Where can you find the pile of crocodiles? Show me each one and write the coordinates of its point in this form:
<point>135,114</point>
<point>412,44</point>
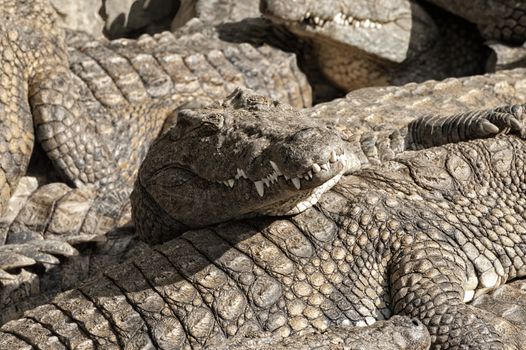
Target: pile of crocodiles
<point>181,191</point>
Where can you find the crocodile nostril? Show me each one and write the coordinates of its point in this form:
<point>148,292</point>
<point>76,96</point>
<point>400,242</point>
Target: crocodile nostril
<point>416,322</point>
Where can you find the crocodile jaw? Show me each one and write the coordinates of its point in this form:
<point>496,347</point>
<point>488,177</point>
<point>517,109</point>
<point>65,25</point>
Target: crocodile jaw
<point>383,30</point>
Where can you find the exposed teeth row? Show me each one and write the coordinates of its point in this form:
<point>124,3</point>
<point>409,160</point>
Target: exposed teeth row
<point>342,19</point>
<point>315,196</point>
<point>296,181</point>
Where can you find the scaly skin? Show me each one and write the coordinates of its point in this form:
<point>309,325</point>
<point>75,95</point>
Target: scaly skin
<point>356,117</point>
<point>388,23</point>
<point>397,333</point>
<point>259,168</point>
<point>44,253</point>
<point>96,106</point>
<point>416,236</point>
<point>96,113</point>
<point>375,43</point>
<point>503,20</point>
<point>23,62</point>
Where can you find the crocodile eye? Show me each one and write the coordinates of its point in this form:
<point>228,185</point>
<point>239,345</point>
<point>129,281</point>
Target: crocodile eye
<point>192,123</point>
<point>213,121</point>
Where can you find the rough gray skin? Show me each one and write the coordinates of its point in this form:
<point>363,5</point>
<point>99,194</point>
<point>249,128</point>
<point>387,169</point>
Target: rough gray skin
<point>370,43</point>
<point>507,301</point>
<point>255,142</point>
<point>502,20</point>
<point>388,23</point>
<point>259,168</point>
<point>360,108</point>
<point>43,252</point>
<point>396,333</point>
<point>416,236</point>
<point>95,115</point>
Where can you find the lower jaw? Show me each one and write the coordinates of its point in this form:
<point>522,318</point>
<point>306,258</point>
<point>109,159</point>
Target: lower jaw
<point>295,205</point>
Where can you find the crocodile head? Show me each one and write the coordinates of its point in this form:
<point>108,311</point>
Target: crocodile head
<point>380,27</point>
<point>249,157</point>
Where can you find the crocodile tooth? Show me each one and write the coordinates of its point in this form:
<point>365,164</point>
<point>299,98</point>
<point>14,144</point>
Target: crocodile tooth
<point>326,167</point>
<point>296,182</point>
<point>333,157</point>
<point>231,182</point>
<point>275,167</point>
<point>310,174</point>
<point>366,23</point>
<point>241,173</point>
<point>260,188</point>
<point>225,182</point>
<point>339,18</point>
<point>286,177</point>
<point>316,168</point>
<point>266,182</point>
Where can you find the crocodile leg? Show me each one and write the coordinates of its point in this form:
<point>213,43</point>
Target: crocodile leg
<point>430,131</point>
<point>428,284</point>
<point>295,163</point>
<point>22,58</point>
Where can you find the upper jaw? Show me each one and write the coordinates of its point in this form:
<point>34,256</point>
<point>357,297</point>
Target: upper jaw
<point>315,175</point>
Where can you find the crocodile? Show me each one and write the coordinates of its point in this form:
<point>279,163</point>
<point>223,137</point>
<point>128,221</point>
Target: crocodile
<point>371,212</point>
<point>263,170</point>
<point>366,110</point>
<point>358,109</point>
<point>372,209</point>
<point>371,43</point>
<point>418,235</point>
<point>501,20</point>
<point>506,300</point>
<point>397,333</point>
<point>89,100</point>
<point>111,99</point>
